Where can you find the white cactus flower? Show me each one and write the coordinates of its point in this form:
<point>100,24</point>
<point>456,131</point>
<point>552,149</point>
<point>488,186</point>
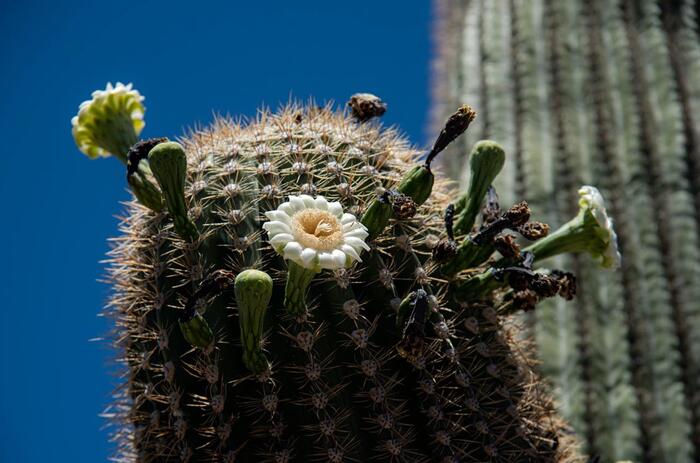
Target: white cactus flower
<point>110,122</point>
<point>316,234</point>
<point>592,201</point>
<point>590,231</point>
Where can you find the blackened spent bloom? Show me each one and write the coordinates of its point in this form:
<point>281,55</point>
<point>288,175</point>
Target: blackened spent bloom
<point>365,106</point>
<point>455,126</point>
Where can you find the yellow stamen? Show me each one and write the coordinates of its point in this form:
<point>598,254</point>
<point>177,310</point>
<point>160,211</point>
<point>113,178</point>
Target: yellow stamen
<point>317,229</point>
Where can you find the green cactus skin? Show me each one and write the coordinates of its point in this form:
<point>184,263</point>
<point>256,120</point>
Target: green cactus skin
<point>601,92</point>
<point>335,380</point>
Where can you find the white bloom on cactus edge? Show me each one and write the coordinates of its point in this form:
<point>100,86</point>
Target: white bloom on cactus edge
<point>112,119</point>
<point>316,234</point>
<point>592,201</point>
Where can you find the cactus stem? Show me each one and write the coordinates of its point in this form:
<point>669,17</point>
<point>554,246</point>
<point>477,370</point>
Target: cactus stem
<point>298,280</point>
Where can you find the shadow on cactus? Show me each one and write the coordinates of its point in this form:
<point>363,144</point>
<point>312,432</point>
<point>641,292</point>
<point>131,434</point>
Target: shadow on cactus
<point>300,288</point>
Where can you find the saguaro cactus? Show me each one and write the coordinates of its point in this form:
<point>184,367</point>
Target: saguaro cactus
<point>290,290</point>
<point>604,92</point>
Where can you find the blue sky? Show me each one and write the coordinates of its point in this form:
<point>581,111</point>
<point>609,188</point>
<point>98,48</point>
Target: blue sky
<point>59,208</point>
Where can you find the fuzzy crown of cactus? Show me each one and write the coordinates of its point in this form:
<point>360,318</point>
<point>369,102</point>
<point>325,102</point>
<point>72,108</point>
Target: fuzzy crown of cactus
<point>301,288</point>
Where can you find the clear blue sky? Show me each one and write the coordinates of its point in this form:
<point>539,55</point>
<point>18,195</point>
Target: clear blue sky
<point>190,60</point>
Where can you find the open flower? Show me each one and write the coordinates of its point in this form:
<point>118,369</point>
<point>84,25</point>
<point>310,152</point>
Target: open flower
<point>110,122</point>
<point>592,201</point>
<point>590,231</point>
<point>315,233</point>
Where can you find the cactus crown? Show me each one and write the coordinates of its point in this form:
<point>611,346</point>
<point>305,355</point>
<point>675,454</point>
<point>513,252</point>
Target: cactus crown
<point>293,289</point>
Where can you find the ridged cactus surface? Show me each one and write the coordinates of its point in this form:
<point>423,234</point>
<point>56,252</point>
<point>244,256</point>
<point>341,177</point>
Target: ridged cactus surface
<point>336,388</point>
<point>604,92</point>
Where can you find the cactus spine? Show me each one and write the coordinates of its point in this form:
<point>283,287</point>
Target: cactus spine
<point>603,92</point>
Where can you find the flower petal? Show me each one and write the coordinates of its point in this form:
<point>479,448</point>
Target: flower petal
<point>275,227</point>
<point>347,218</point>
<point>286,208</point>
<point>297,203</point>
<point>308,255</point>
<point>281,238</point>
<point>309,201</point>
<point>321,203</point>
<point>356,243</point>
<point>350,251</point>
<point>339,257</point>
<point>278,216</point>
<point>356,233</point>
<point>336,209</point>
<point>293,250</point>
<point>325,260</point>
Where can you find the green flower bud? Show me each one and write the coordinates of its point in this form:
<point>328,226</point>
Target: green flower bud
<point>485,162</point>
<point>196,331</point>
<point>168,163</point>
<point>590,231</point>
<point>376,217</point>
<point>110,122</point>
<point>146,192</point>
<point>138,174</point>
<point>253,290</point>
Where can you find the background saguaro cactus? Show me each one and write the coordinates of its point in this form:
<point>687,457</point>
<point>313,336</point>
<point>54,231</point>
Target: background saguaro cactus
<point>604,92</point>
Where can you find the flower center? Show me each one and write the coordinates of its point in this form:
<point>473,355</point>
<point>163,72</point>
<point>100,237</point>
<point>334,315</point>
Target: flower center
<point>317,229</point>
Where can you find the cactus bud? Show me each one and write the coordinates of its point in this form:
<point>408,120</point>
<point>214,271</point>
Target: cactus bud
<point>253,290</point>
<point>137,174</point>
<point>196,330</point>
<point>169,166</point>
<point>485,161</point>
